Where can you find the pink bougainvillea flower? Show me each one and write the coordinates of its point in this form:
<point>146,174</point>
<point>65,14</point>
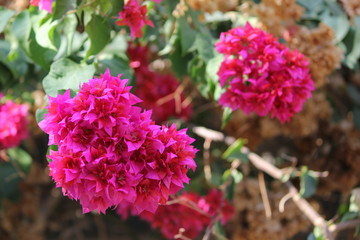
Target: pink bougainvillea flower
<point>134,16</point>
<point>156,89</point>
<point>13,123</point>
<point>43,4</point>
<point>110,152</point>
<point>262,75</point>
<point>170,218</point>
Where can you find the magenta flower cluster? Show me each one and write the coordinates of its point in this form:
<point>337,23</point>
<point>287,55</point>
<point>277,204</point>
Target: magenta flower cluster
<point>110,152</point>
<point>13,123</point>
<point>262,75</point>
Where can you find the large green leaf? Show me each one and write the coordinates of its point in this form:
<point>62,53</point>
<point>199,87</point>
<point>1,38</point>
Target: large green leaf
<point>5,15</point>
<point>66,74</point>
<point>62,7</point>
<point>98,30</point>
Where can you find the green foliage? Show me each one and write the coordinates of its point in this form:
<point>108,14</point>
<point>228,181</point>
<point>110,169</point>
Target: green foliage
<point>308,182</point>
<point>98,30</point>
<point>66,74</point>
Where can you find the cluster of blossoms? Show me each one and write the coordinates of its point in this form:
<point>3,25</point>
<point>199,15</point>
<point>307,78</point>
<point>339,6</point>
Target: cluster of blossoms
<point>43,4</point>
<point>110,152</point>
<point>13,123</point>
<point>193,213</point>
<point>261,75</point>
<point>134,16</point>
<point>158,91</point>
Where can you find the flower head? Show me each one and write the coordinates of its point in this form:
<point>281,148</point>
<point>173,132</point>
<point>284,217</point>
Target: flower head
<point>134,16</point>
<point>13,123</point>
<point>111,152</point>
<point>43,4</point>
<point>261,75</point>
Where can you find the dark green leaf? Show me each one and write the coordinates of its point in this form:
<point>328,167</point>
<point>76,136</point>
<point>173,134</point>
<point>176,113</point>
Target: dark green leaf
<point>308,182</point>
<point>9,180</point>
<point>117,65</point>
<point>187,35</point>
<point>98,30</point>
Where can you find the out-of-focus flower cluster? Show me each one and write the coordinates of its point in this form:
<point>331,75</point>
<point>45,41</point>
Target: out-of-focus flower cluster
<point>277,15</point>
<point>43,4</point>
<point>352,7</point>
<point>13,123</point>
<point>190,212</point>
<point>110,152</point>
<point>318,45</point>
<point>261,75</point>
<point>159,92</point>
<point>210,6</point>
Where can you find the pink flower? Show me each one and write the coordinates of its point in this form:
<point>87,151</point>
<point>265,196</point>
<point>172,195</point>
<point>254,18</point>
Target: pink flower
<point>134,16</point>
<point>170,218</point>
<point>43,4</point>
<point>156,89</point>
<point>13,123</point>
<point>110,152</point>
<point>261,75</point>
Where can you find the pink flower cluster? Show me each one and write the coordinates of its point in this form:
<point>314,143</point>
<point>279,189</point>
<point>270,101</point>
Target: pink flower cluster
<point>262,75</point>
<point>134,16</point>
<point>110,152</point>
<point>156,89</point>
<point>43,4</point>
<point>193,213</point>
<point>13,123</point>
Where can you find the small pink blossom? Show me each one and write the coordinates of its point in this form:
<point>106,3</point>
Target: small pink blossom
<point>110,151</point>
<point>134,16</point>
<point>261,75</point>
<point>13,123</point>
<point>43,4</point>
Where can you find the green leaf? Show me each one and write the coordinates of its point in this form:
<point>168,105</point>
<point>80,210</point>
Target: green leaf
<point>98,30</point>
<point>21,158</point>
<point>52,148</point>
<point>40,113</point>
<point>308,182</point>
<point>339,23</point>
<point>62,7</point>
<point>21,27</point>
<point>234,149</point>
<point>226,116</point>
<point>117,65</point>
<point>187,35</point>
<point>117,6</point>
<point>212,68</point>
<point>66,74</point>
<point>5,15</point>
<point>9,180</point>
<point>205,46</point>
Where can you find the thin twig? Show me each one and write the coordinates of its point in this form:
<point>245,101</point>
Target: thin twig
<point>264,195</point>
<point>206,155</point>
<point>276,173</point>
<point>344,225</point>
